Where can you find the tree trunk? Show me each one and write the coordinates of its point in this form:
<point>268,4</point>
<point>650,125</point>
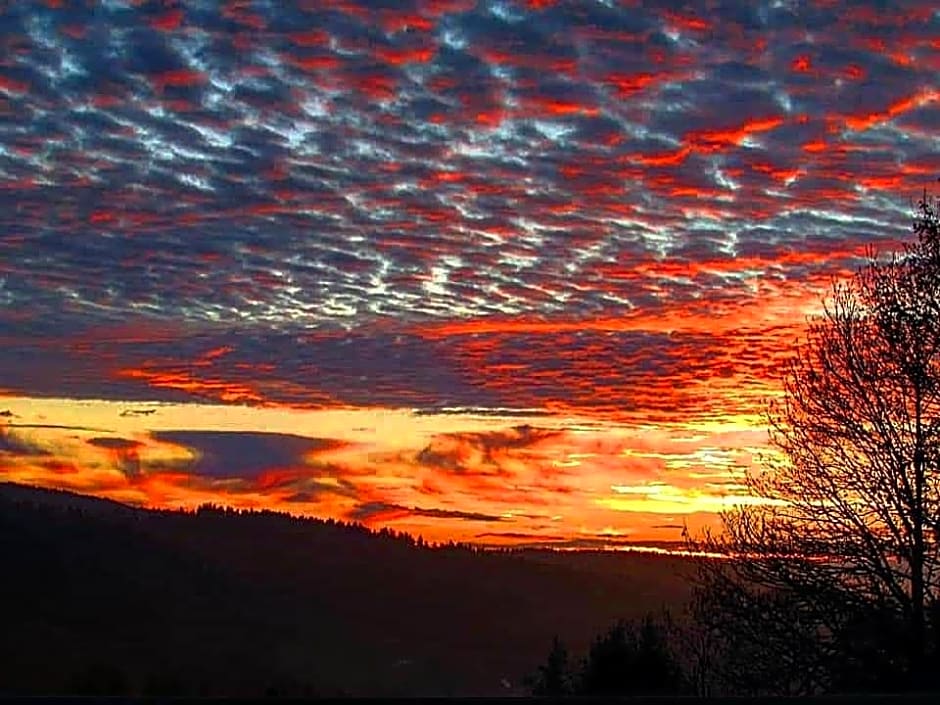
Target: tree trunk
<point>918,617</point>
<point>918,626</point>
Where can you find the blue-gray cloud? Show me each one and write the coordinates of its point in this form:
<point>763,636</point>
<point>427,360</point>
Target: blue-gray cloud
<point>243,455</point>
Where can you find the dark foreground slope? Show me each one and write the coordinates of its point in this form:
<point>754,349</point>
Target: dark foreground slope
<point>97,597</point>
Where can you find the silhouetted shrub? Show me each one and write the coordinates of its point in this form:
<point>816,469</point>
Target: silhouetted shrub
<point>628,659</point>
<point>631,660</point>
<point>554,677</point>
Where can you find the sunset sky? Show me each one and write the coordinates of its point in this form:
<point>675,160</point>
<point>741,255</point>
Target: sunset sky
<point>504,272</point>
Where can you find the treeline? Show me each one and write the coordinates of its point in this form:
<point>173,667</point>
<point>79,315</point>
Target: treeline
<point>41,499</point>
<point>352,528</point>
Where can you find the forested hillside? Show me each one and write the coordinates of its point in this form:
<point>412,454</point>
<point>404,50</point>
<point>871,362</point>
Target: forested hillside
<point>98,597</point>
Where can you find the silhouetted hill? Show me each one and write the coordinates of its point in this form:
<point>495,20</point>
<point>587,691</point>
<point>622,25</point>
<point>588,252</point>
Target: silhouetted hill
<point>99,597</point>
<point>40,496</point>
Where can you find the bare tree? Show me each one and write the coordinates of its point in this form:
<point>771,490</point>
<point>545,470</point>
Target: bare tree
<point>848,536</point>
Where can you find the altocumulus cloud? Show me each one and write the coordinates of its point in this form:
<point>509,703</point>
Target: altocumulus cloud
<point>187,178</point>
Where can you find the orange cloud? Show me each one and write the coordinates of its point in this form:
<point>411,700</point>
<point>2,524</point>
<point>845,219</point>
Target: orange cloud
<point>863,121</point>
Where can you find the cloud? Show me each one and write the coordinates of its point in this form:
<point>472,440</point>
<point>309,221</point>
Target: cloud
<point>117,444</point>
<point>521,535</point>
<point>54,427</point>
<point>125,453</point>
<point>243,455</point>
<point>501,412</point>
<point>370,511</point>
<point>561,542</point>
<point>15,444</point>
<point>481,453</point>
<point>138,412</point>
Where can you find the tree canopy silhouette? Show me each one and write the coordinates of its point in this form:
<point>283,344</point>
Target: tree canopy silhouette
<point>630,658</point>
<point>554,677</point>
<point>847,541</point>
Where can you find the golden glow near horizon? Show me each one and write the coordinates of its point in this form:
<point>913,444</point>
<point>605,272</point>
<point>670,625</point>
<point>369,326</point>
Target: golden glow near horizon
<point>486,478</point>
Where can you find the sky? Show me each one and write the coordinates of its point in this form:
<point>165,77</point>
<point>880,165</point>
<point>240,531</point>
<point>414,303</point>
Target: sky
<point>502,272</point>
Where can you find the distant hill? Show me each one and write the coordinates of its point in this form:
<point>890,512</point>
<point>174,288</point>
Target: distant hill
<point>42,497</point>
<point>98,597</point>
